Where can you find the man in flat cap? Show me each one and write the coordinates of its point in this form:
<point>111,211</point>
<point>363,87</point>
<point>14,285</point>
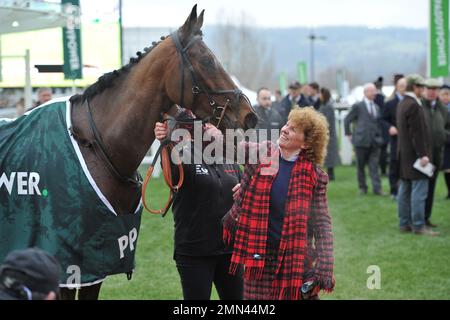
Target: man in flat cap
<point>413,142</point>
<point>438,121</point>
<point>29,274</point>
<point>295,97</point>
<point>390,120</point>
<point>444,97</point>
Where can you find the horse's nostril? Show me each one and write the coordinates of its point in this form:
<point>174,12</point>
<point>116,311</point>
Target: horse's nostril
<point>250,121</point>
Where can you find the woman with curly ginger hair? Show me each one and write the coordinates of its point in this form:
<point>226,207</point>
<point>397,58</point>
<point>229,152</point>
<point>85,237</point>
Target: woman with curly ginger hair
<point>279,225</point>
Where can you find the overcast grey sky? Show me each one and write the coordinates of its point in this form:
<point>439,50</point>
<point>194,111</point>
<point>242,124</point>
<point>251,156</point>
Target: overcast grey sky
<point>282,13</point>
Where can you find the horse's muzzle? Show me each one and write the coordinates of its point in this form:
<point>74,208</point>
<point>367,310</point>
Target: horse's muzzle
<point>250,121</point>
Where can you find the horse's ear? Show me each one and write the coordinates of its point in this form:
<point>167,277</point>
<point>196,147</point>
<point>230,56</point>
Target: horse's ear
<point>199,23</point>
<point>188,27</point>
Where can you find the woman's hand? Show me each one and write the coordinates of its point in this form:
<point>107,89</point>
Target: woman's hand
<point>212,132</point>
<point>236,190</point>
<point>161,131</point>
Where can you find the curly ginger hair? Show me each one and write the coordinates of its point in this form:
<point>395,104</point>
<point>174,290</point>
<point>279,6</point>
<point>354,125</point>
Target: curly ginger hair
<point>316,131</point>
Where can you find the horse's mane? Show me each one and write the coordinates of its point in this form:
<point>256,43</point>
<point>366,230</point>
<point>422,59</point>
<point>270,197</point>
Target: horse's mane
<point>107,80</point>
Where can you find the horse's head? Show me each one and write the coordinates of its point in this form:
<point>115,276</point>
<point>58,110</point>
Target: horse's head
<point>199,82</point>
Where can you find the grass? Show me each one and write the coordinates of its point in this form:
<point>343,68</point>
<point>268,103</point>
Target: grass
<point>365,234</point>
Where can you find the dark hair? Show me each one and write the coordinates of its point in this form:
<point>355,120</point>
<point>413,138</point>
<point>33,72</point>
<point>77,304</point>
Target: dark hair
<point>397,77</point>
<point>315,86</point>
<point>326,95</point>
<point>294,85</point>
<point>379,83</point>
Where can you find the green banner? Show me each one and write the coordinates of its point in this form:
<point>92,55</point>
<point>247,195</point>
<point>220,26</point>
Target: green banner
<point>73,64</point>
<point>438,46</point>
<point>302,72</point>
<point>283,84</point>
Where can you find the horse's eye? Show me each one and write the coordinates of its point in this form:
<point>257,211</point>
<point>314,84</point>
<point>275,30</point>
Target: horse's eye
<point>207,63</point>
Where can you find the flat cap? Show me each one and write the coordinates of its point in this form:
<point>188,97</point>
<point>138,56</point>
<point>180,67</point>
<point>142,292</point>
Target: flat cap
<point>295,85</point>
<point>433,83</point>
<point>37,269</point>
<point>445,87</point>
<point>415,79</point>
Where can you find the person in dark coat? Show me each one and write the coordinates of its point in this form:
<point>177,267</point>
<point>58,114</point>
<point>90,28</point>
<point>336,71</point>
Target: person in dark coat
<point>327,108</point>
<point>413,143</point>
<point>444,97</point>
<point>268,118</point>
<point>366,138</point>
<point>438,121</point>
<point>315,95</point>
<point>389,119</point>
<point>379,100</point>
<point>294,98</point>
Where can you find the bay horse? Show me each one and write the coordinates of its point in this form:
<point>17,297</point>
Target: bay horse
<point>114,119</point>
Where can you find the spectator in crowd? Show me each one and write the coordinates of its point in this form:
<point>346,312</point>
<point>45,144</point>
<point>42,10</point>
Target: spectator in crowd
<point>44,95</point>
<point>438,121</point>
<point>444,97</point>
<point>366,138</point>
<point>268,118</point>
<point>315,95</point>
<point>29,274</point>
<point>20,107</point>
<point>414,141</point>
<point>278,98</point>
<point>379,96</point>
<point>389,118</point>
<point>327,108</point>
<point>294,98</point>
<point>379,101</point>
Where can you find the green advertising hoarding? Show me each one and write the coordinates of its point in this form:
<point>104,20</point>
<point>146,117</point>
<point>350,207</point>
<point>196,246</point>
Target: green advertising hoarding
<point>283,84</point>
<point>438,43</point>
<point>302,72</point>
<point>73,64</point>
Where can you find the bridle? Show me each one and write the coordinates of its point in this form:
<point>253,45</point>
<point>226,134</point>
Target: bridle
<point>197,87</point>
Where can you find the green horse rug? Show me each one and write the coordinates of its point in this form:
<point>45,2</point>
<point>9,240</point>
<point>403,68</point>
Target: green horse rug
<point>48,199</point>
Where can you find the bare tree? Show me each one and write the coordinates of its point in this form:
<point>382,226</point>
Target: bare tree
<point>327,78</point>
<point>423,67</point>
<point>244,53</point>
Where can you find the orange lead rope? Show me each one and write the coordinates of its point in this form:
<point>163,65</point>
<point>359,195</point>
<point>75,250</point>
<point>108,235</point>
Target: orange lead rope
<point>164,150</point>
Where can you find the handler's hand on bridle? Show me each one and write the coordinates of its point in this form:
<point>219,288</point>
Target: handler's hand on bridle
<point>161,131</point>
<point>236,190</point>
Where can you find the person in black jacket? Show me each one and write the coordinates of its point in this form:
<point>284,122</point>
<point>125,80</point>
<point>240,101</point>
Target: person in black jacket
<point>379,101</point>
<point>389,119</point>
<point>201,256</point>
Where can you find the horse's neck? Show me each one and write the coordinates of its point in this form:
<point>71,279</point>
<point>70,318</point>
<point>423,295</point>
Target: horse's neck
<point>125,122</point>
<point>128,132</point>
